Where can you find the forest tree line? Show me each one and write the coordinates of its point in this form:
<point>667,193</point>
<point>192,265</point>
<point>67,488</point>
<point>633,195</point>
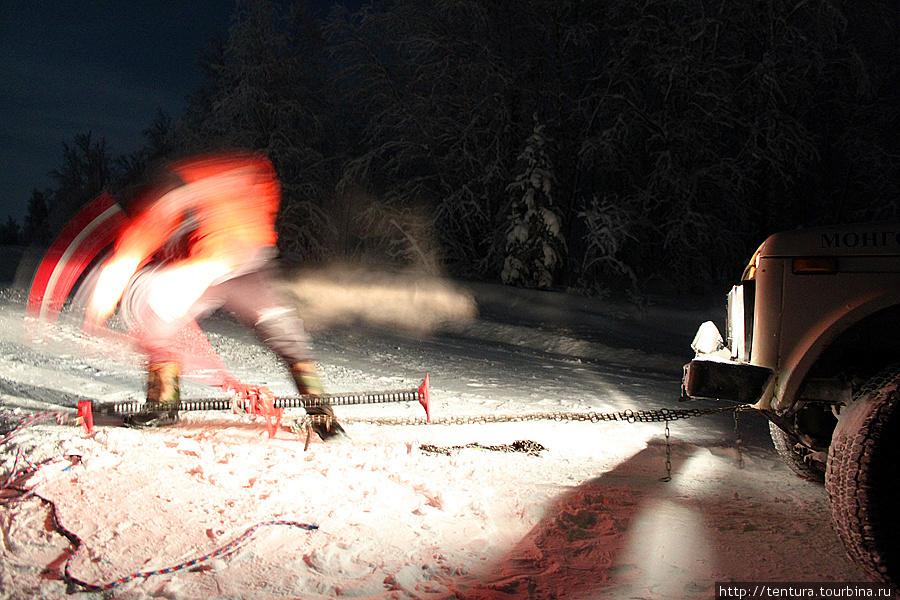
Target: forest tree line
<point>600,146</point>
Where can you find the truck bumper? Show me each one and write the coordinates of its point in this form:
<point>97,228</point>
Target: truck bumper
<point>724,380</point>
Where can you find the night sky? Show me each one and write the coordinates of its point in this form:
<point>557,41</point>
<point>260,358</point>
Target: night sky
<point>98,66</point>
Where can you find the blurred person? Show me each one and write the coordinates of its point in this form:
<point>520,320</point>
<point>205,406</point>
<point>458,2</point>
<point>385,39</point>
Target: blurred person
<point>201,236</point>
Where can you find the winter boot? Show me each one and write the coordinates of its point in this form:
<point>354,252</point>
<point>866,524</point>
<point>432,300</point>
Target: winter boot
<point>163,397</point>
<point>306,378</point>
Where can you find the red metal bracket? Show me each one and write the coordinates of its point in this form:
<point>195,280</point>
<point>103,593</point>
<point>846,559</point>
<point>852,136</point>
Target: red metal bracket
<point>265,406</point>
<point>257,400</point>
<point>425,397</point>
<point>86,415</point>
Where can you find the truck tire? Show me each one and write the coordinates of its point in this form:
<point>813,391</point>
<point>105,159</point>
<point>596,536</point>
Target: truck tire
<point>861,478</point>
<point>798,459</point>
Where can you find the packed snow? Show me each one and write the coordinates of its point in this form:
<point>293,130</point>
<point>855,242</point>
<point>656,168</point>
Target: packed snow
<point>408,511</point>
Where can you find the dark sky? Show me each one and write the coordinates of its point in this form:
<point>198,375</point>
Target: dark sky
<point>98,66</point>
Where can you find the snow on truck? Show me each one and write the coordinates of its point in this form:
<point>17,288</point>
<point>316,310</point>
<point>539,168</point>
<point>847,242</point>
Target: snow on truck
<point>812,340</point>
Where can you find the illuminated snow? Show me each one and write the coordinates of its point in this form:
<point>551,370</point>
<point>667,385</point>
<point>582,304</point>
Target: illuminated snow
<point>587,518</point>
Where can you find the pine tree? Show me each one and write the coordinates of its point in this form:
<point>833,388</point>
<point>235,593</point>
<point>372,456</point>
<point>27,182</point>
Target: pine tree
<point>534,241</point>
<point>36,229</point>
<point>9,232</point>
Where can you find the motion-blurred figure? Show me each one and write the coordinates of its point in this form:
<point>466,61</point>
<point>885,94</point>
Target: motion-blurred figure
<point>201,236</point>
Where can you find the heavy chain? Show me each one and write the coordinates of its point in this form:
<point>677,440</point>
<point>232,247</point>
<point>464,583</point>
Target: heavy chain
<point>662,415</point>
<point>304,425</point>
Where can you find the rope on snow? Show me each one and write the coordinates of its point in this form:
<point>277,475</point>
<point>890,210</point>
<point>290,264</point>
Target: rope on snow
<point>11,492</point>
<point>237,542</point>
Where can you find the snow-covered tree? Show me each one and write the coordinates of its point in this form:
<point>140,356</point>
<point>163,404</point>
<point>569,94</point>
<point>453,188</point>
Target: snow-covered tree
<point>267,89</point>
<point>534,241</point>
<point>607,231</point>
<point>702,126</point>
<point>436,85</point>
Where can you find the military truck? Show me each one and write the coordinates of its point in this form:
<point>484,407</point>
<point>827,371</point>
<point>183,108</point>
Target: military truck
<point>812,340</point>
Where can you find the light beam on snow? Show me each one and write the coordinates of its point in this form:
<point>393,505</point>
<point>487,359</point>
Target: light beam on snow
<point>699,475</point>
<point>667,544</point>
<point>667,540</point>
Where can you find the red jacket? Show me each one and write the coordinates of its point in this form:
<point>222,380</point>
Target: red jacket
<point>232,200</point>
<point>227,203</point>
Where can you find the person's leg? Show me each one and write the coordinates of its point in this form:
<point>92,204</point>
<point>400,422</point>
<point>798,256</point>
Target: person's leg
<point>260,302</point>
<point>155,310</point>
<point>163,397</point>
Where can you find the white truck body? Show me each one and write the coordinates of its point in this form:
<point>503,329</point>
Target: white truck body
<point>812,340</point>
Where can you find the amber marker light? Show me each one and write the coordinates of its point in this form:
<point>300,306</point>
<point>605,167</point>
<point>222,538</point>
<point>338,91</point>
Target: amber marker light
<point>815,265</point>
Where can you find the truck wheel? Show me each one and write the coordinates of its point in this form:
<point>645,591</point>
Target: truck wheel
<point>861,478</point>
<point>798,457</point>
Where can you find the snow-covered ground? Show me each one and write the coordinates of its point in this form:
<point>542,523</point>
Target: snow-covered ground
<point>587,517</point>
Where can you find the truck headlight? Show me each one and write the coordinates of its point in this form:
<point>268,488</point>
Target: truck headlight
<point>741,300</point>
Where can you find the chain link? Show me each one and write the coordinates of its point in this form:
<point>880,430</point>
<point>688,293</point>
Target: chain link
<point>739,442</point>
<point>663,415</point>
<point>303,425</point>
<point>668,476</point>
